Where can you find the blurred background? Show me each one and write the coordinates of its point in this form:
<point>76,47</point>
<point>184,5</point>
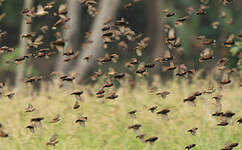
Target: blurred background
<point>146,17</point>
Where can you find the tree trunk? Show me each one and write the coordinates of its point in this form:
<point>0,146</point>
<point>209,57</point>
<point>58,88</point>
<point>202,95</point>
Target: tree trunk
<point>155,24</point>
<point>25,28</point>
<point>155,28</point>
<point>107,9</point>
<point>71,35</point>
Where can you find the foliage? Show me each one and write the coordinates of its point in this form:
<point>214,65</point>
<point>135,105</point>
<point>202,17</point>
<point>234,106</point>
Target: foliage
<point>236,51</point>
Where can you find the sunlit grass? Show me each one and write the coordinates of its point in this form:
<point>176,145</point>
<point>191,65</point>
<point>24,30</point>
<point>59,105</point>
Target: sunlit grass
<point>107,126</point>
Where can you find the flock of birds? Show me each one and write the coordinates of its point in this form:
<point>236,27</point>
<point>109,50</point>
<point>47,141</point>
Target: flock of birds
<point>113,32</point>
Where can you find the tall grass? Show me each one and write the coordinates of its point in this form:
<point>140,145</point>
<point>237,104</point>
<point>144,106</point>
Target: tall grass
<point>108,121</point>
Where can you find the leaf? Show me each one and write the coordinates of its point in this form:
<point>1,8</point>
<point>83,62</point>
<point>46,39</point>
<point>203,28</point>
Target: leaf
<point>234,50</point>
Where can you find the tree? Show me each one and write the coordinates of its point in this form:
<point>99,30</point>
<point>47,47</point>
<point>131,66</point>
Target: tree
<point>155,28</point>
<point>107,9</point>
<point>72,34</point>
<point>25,28</point>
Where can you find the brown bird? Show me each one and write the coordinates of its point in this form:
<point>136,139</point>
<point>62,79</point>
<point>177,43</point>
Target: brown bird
<point>193,131</point>
<point>181,20</point>
<point>30,108</point>
<point>56,119</point>
<point>152,109</point>
<point>10,95</point>
<point>163,94</point>
<point>206,54</point>
<point>151,140</point>
<point>136,128</point>
<point>190,146</point>
<point>108,84</point>
<point>76,105</point>
<point>53,140</point>
<point>77,94</point>
<point>164,113</point>
<point>225,79</point>
<point>228,114</point>
<point>132,113</point>
<point>101,91</point>
<point>239,120</point>
<point>223,123</point>
<point>37,121</point>
<point>141,137</point>
<point>229,42</point>
<point>3,134</point>
<point>170,14</point>
<point>112,96</point>
<point>82,121</point>
<point>31,128</point>
<point>34,79</point>
<point>230,146</point>
<point>128,5</point>
<point>118,75</point>
<point>191,100</point>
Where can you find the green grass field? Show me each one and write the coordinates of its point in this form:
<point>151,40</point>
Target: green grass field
<point>108,121</point>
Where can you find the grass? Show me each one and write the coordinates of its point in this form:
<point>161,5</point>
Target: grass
<point>107,126</point>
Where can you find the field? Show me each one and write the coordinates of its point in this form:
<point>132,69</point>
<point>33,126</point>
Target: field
<point>108,120</point>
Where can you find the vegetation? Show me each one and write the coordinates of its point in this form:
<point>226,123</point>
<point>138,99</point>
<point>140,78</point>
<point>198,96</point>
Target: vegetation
<point>108,120</point>
<point>120,74</point>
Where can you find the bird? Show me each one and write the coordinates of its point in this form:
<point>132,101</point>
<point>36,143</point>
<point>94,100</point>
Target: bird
<point>30,108</point>
<point>153,108</point>
<point>230,146</point>
<point>239,120</point>
<point>164,113</point>
<point>53,140</point>
<point>193,131</point>
<point>31,128</point>
<point>37,121</point>
<point>136,128</point>
<point>132,113</point>
<point>151,140</point>
<point>190,146</point>
<point>163,94</point>
<point>55,119</point>
<point>82,121</point>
